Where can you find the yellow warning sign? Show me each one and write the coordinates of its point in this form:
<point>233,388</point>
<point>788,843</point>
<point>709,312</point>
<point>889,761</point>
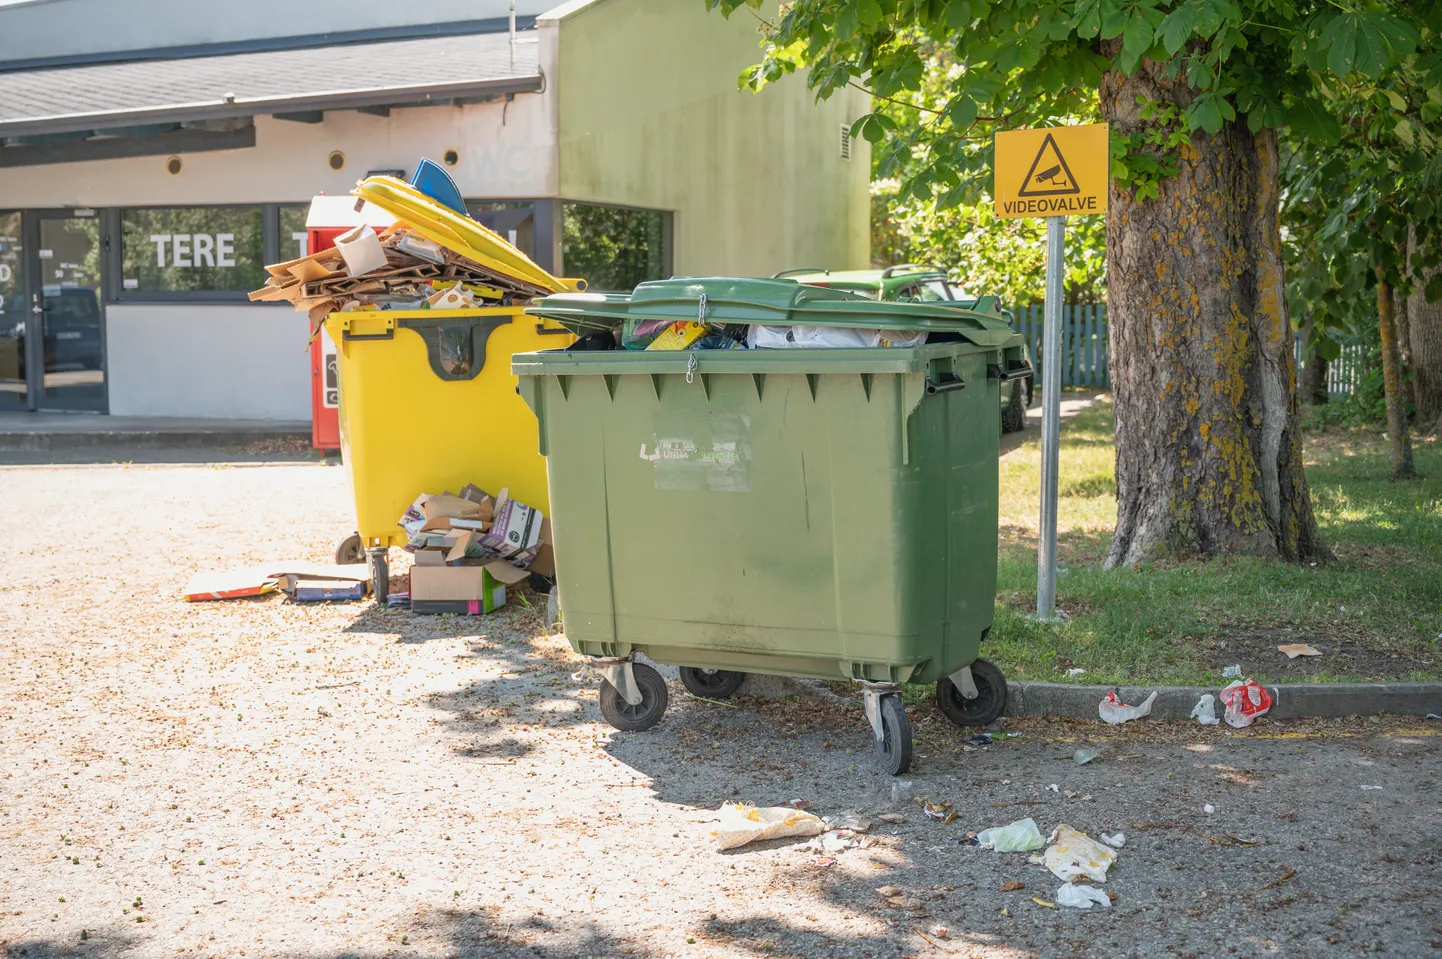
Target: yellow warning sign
<point>1059,171</point>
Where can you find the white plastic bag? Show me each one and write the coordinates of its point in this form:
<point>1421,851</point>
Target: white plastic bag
<point>1020,836</point>
<point>1082,897</point>
<point>1205,712</point>
<point>741,824</point>
<point>1073,855</point>
<point>1113,710</point>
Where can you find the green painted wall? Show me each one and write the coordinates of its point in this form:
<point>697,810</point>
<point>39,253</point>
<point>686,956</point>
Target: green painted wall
<point>649,115</point>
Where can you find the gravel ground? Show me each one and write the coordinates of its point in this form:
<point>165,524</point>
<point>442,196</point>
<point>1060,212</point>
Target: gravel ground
<point>260,778</point>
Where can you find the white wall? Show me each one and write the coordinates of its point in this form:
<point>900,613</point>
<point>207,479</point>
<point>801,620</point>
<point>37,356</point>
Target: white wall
<point>33,29</point>
<point>505,152</point>
<point>221,362</point>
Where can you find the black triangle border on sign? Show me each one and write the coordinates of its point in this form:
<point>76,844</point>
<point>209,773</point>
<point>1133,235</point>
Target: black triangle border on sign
<point>1075,186</point>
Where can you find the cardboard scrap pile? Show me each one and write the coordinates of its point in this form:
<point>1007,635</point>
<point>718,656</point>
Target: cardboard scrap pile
<point>398,269</point>
<point>300,580</point>
<point>470,546</point>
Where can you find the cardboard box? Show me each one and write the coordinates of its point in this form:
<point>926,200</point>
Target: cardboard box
<point>469,589</point>
<point>516,528</point>
<point>233,584</point>
<point>323,590</point>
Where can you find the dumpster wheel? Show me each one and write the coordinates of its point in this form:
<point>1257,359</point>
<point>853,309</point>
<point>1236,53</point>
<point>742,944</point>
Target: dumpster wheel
<point>985,708</point>
<point>711,683</point>
<point>350,551</point>
<point>633,718</point>
<point>893,749</point>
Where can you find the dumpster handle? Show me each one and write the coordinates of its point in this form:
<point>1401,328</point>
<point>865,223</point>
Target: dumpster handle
<point>543,330</point>
<point>347,335</point>
<point>456,346</point>
<point>944,383</point>
<point>995,372</point>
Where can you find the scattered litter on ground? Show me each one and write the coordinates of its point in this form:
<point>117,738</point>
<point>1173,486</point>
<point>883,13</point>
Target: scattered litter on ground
<point>1116,842</point>
<point>799,803</point>
<point>1053,787</point>
<point>1073,855</point>
<point>1293,650</point>
<point>1082,897</point>
<point>1433,716</point>
<point>1043,902</point>
<point>1085,755</point>
<point>741,824</point>
<point>1371,787</point>
<point>902,792</point>
<point>1205,711</point>
<point>1232,672</point>
<point>1112,710</point>
<point>830,842</point>
<point>892,817</point>
<point>940,932</point>
<point>1245,701</point>
<point>1019,836</point>
<point>941,812</point>
<point>849,820</point>
<point>983,740</point>
<point>1011,885</point>
<point>1074,673</point>
<point>1209,809</point>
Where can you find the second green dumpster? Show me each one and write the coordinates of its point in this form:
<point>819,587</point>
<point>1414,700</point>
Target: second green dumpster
<point>826,513</point>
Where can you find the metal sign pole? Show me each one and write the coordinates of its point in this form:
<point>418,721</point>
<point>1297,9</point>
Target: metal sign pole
<point>1050,418</point>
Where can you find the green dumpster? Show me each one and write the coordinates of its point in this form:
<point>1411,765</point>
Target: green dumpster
<point>825,513</point>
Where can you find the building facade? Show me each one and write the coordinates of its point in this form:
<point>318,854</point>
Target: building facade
<point>156,154</point>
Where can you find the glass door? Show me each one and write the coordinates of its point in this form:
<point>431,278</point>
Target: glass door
<point>14,313</point>
<point>66,329</point>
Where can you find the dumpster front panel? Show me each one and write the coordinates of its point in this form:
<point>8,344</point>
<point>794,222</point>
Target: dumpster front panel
<point>784,522</point>
<point>406,430</point>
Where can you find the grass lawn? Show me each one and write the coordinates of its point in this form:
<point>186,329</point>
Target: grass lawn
<point>1376,612</point>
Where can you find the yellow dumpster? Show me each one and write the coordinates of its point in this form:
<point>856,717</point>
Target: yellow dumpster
<point>427,399</point>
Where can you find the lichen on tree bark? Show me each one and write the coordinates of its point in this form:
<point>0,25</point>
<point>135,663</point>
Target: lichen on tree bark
<point>1208,440</point>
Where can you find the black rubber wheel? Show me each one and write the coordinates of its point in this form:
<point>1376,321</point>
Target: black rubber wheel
<point>380,574</point>
<point>541,584</point>
<point>644,715</point>
<point>1013,418</point>
<point>894,749</point>
<point>985,708</point>
<point>711,683</point>
<point>1030,391</point>
<point>350,551</point>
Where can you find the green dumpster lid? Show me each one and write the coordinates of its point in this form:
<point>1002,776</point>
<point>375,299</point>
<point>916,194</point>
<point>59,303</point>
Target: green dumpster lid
<point>771,302</point>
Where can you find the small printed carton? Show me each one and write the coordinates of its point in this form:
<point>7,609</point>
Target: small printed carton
<point>515,529</point>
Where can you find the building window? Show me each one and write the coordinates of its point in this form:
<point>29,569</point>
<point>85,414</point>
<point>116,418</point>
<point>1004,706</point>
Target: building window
<point>176,250</point>
<point>514,220</point>
<point>293,243</point>
<point>614,248</point>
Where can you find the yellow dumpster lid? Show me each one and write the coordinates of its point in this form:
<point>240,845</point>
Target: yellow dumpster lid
<point>457,233</point>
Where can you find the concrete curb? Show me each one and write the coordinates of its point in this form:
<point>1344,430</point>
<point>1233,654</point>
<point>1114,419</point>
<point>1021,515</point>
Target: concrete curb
<point>1292,701</point>
<point>27,441</point>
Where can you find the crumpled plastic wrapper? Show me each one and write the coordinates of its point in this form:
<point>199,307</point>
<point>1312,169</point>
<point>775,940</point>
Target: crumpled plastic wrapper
<point>1020,836</point>
<point>741,824</point>
<point>1073,855</point>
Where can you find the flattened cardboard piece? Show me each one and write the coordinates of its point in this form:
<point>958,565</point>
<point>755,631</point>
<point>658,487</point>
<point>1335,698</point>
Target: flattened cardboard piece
<point>431,557</point>
<point>309,270</point>
<point>445,523</point>
<point>462,541</point>
<point>453,507</point>
<point>477,495</point>
<point>302,570</point>
<point>545,561</point>
<point>504,572</point>
<point>228,584</point>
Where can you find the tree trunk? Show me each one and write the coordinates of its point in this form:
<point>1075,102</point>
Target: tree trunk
<point>1209,447</point>
<point>1398,441</point>
<point>1314,374</point>
<point>1404,353</point>
<point>1424,341</point>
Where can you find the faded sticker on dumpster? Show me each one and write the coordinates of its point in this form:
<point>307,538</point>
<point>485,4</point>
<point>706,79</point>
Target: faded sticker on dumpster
<point>701,451</point>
